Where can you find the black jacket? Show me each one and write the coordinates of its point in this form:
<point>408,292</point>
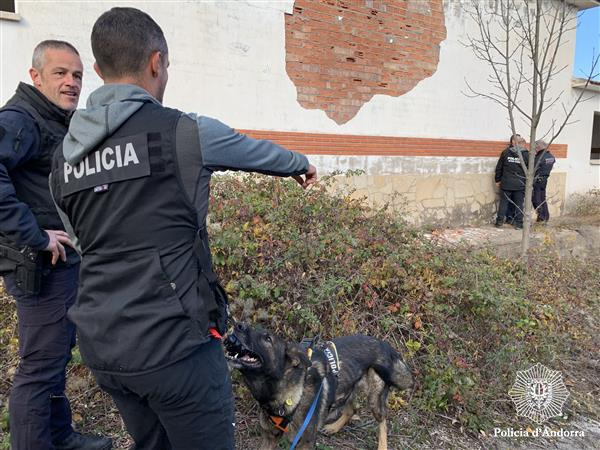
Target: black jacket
<point>32,127</point>
<point>543,169</point>
<point>509,171</point>
<point>141,303</point>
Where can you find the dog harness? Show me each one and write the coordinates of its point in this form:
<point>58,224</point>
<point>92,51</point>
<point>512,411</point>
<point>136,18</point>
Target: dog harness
<point>329,349</point>
<point>282,422</point>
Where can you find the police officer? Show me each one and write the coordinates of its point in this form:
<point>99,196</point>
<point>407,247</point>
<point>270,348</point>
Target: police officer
<point>544,161</point>
<point>133,178</point>
<point>510,177</point>
<point>32,123</point>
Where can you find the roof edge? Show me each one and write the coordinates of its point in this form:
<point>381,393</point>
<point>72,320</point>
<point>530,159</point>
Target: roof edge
<point>580,83</point>
<point>583,4</point>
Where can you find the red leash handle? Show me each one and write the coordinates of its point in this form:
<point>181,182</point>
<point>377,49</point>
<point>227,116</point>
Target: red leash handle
<point>214,333</point>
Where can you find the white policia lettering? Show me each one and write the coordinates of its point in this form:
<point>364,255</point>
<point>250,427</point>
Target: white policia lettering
<point>331,360</point>
<point>105,159</point>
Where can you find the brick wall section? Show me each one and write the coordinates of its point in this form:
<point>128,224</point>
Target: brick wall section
<point>340,53</point>
<point>360,145</point>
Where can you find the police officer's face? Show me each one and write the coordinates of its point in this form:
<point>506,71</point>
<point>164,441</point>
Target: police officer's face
<point>60,78</point>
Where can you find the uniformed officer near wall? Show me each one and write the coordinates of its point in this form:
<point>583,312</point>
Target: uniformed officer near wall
<point>510,177</point>
<point>544,161</point>
<point>39,267</point>
<point>133,178</point>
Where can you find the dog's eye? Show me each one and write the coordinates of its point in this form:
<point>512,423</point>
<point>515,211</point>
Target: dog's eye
<point>268,339</point>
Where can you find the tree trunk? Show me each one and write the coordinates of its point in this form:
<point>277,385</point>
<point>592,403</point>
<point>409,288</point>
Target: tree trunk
<point>527,204</point>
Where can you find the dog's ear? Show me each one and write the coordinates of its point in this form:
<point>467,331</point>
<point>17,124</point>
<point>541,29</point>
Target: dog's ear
<point>297,356</point>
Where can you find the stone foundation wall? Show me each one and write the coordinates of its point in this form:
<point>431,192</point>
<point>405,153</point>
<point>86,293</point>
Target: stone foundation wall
<point>442,199</point>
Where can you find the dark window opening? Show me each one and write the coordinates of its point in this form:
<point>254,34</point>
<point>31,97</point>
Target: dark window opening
<point>595,153</point>
<point>7,5</point>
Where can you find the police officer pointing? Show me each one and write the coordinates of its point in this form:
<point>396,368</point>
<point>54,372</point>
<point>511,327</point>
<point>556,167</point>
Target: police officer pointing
<point>133,179</point>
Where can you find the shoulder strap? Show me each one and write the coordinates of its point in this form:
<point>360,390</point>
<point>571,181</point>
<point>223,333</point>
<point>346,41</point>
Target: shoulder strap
<point>188,153</point>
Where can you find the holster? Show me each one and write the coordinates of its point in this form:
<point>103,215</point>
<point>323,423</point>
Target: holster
<point>24,262</point>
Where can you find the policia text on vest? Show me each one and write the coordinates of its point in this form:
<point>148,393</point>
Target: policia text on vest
<point>117,160</point>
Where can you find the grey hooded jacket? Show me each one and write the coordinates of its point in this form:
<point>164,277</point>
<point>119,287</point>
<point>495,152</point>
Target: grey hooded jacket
<point>204,145</point>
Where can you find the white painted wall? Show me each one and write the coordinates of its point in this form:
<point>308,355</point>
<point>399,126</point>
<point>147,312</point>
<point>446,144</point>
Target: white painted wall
<point>228,61</point>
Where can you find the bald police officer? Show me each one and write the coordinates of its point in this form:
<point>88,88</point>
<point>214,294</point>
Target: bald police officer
<point>133,178</point>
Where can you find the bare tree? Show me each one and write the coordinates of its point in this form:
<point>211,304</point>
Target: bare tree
<point>520,41</point>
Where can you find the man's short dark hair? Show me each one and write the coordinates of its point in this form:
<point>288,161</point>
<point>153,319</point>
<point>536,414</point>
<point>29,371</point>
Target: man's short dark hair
<point>37,61</point>
<point>123,39</point>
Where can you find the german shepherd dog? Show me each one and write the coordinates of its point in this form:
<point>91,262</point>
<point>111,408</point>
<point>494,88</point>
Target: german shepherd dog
<point>285,378</point>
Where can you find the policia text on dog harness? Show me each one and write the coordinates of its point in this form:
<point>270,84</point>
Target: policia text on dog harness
<point>330,352</point>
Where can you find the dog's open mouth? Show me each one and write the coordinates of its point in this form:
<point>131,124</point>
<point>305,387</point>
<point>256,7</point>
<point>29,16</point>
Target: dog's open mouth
<point>239,356</point>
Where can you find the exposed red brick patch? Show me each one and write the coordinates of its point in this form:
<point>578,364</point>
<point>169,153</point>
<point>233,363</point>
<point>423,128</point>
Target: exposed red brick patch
<point>360,145</point>
<point>339,54</point>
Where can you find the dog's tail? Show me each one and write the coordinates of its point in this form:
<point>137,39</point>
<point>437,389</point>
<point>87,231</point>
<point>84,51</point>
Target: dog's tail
<point>394,371</point>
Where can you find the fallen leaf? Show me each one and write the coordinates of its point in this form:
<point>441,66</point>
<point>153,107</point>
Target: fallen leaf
<point>418,324</point>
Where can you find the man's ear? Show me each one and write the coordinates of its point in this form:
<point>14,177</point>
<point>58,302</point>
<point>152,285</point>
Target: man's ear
<point>297,356</point>
<point>35,77</point>
<point>97,70</point>
<point>156,64</point>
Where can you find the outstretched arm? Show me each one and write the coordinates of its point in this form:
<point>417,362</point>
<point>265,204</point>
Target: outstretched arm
<point>225,149</point>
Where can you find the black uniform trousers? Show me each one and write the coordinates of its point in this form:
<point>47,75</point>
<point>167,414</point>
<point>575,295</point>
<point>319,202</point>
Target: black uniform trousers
<point>538,199</point>
<point>186,405</point>
<point>514,198</point>
<point>39,411</point>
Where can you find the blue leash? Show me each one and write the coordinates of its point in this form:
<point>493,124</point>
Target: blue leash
<point>311,411</point>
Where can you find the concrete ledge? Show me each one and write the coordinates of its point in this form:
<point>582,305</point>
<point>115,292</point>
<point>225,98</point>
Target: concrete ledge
<point>583,4</point>
<point>5,15</point>
<point>582,83</point>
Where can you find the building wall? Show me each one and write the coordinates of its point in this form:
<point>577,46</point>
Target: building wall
<point>231,60</point>
<point>445,199</point>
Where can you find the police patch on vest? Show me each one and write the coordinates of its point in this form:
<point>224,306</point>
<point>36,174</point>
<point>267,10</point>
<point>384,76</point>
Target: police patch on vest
<point>119,159</point>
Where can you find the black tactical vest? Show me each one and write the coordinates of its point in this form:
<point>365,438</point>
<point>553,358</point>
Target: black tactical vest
<point>141,301</point>
<point>31,179</point>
